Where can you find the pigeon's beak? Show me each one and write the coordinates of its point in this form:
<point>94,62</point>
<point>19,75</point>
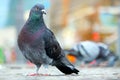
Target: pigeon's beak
<point>43,11</point>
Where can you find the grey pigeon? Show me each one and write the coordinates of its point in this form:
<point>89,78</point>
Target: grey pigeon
<point>39,45</point>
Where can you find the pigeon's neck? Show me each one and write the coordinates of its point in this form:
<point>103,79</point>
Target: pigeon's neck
<point>35,24</point>
<point>36,20</point>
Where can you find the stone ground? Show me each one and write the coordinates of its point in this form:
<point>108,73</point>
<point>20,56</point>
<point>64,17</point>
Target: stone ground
<point>19,72</point>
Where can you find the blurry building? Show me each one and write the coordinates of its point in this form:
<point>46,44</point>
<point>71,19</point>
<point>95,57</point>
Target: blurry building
<point>82,20</point>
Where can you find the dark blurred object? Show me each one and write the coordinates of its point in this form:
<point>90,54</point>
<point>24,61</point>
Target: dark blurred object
<point>93,54</point>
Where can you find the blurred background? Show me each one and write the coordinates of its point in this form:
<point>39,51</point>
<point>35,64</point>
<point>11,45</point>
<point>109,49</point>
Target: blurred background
<point>72,21</point>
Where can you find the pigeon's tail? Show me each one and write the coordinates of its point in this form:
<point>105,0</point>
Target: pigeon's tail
<point>65,66</point>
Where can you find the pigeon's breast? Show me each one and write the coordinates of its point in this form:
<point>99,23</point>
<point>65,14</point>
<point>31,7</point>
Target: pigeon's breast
<point>29,37</point>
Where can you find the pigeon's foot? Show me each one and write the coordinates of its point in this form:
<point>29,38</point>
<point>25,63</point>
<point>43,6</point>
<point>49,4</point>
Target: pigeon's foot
<point>36,74</point>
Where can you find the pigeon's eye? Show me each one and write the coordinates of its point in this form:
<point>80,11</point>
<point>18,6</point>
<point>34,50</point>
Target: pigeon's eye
<point>36,8</point>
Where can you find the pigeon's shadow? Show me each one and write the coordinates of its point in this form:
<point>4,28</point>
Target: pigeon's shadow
<point>65,75</point>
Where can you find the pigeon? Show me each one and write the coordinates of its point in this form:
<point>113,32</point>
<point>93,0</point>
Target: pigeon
<point>39,45</point>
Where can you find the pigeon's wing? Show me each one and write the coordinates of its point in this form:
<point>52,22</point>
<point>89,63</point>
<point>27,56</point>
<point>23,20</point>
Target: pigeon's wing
<point>54,51</point>
<point>52,47</point>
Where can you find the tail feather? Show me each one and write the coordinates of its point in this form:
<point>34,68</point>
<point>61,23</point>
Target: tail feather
<point>67,70</point>
<point>65,66</point>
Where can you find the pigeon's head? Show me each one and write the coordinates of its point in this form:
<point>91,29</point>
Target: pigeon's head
<point>37,11</point>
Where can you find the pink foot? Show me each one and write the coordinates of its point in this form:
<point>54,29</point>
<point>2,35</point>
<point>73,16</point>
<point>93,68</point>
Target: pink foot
<point>36,74</point>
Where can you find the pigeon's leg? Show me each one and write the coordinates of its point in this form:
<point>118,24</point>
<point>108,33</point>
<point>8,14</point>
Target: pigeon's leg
<point>46,70</point>
<point>38,66</point>
<point>36,74</point>
<point>46,67</point>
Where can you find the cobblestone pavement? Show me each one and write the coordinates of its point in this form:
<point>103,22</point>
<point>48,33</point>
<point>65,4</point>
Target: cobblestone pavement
<point>19,72</point>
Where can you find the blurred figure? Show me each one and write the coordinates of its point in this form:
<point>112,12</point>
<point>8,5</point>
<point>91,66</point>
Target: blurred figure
<point>92,54</point>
